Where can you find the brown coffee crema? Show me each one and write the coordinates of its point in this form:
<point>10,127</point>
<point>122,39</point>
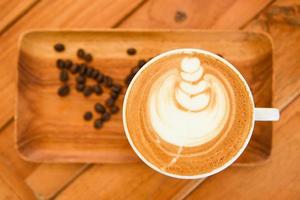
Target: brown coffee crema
<point>188,114</point>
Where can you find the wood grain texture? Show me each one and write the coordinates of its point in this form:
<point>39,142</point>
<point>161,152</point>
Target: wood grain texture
<point>54,14</point>
<point>216,14</point>
<point>279,179</point>
<point>45,136</point>
<point>127,181</point>
<point>12,10</point>
<point>282,22</point>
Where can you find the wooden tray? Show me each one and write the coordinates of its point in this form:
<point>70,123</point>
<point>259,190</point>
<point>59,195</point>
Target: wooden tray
<point>51,129</point>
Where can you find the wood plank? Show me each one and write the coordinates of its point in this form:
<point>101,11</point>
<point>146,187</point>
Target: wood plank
<point>195,14</point>
<point>282,22</point>
<point>55,14</point>
<point>278,179</point>
<point>12,10</point>
<point>126,181</point>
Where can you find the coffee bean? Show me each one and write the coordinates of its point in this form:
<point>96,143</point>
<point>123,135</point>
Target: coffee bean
<point>75,68</point>
<point>131,51</point>
<point>68,63</point>
<point>110,102</point>
<point>63,90</point>
<point>89,71</point>
<point>63,76</point>
<point>105,116</point>
<point>80,79</point>
<point>116,88</point>
<point>88,57</point>
<point>83,69</point>
<point>80,53</point>
<point>80,87</point>
<point>135,70</point>
<point>95,74</point>
<point>114,109</point>
<point>59,47</point>
<point>108,82</point>
<point>141,63</point>
<point>114,95</point>
<point>88,116</point>
<point>98,123</point>
<point>129,79</point>
<point>97,89</point>
<point>88,90</point>
<point>99,108</point>
<point>100,78</point>
<point>60,64</point>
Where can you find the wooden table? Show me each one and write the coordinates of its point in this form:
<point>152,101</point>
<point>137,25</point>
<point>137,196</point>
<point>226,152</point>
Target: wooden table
<point>279,178</point>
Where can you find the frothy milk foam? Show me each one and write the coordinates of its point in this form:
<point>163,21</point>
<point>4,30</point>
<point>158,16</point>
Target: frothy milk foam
<point>187,113</point>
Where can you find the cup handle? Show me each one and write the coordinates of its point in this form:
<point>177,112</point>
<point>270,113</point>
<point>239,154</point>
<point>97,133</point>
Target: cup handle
<point>266,114</point>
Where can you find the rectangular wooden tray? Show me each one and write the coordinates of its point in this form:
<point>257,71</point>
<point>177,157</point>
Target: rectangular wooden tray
<point>52,129</point>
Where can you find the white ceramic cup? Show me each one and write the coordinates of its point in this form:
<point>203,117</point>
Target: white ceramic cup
<point>260,114</point>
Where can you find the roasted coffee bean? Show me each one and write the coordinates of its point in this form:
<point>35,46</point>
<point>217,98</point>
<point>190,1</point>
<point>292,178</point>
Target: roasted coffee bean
<point>105,116</point>
<point>110,102</point>
<point>95,74</point>
<point>99,108</point>
<point>68,63</point>
<point>100,78</point>
<point>114,95</point>
<point>83,69</point>
<point>63,90</point>
<point>98,123</point>
<point>80,53</point>
<point>135,70</point>
<point>60,64</point>
<point>59,47</point>
<point>88,116</point>
<point>131,51</point>
<point>75,68</point>
<point>128,79</point>
<point>88,57</point>
<point>108,82</point>
<point>80,87</point>
<point>63,75</point>
<point>116,88</point>
<point>80,79</point>
<point>89,71</point>
<point>114,109</point>
<point>141,63</point>
<point>88,90</point>
<point>97,89</point>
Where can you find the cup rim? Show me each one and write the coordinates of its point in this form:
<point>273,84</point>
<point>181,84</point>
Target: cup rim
<point>198,176</point>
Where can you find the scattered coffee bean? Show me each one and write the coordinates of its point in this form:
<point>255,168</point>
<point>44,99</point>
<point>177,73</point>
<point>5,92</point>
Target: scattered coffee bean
<point>108,82</point>
<point>114,109</point>
<point>74,69</point>
<point>129,79</point>
<point>68,63</point>
<point>63,90</point>
<point>100,78</point>
<point>80,79</point>
<point>60,64</point>
<point>114,95</point>
<point>116,88</point>
<point>83,69</point>
<point>97,89</point>
<point>80,53</point>
<point>59,47</point>
<point>98,123</point>
<point>135,70</point>
<point>141,63</point>
<point>131,51</point>
<point>89,71</point>
<point>88,116</point>
<point>63,76</point>
<point>80,87</point>
<point>110,102</point>
<point>105,116</point>
<point>88,90</point>
<point>88,57</point>
<point>99,108</point>
<point>95,74</point>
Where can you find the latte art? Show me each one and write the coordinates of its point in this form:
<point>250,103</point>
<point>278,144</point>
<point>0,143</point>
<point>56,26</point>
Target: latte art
<point>187,106</point>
